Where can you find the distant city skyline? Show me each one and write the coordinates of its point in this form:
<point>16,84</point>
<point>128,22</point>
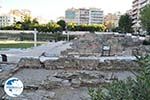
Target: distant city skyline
<point>52,9</point>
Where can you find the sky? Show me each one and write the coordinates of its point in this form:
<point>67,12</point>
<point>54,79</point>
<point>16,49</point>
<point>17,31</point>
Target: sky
<point>52,9</point>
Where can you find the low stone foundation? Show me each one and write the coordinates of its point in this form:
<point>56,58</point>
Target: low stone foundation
<point>29,63</point>
<point>78,64</point>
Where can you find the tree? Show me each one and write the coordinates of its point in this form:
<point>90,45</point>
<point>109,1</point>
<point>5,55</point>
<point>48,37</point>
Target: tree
<point>116,29</point>
<point>85,27</point>
<point>27,20</point>
<point>35,22</point>
<point>109,25</point>
<point>62,23</point>
<point>72,26</point>
<point>145,18</point>
<point>17,25</point>
<point>29,24</point>
<point>125,24</point>
<point>53,27</point>
<point>26,23</point>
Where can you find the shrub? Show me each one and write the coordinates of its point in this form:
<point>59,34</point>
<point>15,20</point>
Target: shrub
<point>145,42</point>
<point>130,89</point>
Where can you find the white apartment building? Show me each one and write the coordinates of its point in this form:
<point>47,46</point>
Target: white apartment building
<point>6,20</point>
<point>137,5</point>
<point>71,15</point>
<point>84,16</point>
<point>95,16</point>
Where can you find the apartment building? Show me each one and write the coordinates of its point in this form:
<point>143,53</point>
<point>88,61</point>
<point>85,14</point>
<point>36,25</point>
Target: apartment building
<point>112,19</point>
<point>137,5</point>
<point>84,16</point>
<point>6,20</point>
<point>71,15</point>
<point>95,16</point>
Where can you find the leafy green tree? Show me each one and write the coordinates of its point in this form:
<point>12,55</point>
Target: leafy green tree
<point>125,24</point>
<point>26,23</point>
<point>85,27</point>
<point>72,26</point>
<point>62,23</point>
<point>130,89</point>
<point>116,29</point>
<point>145,18</point>
<point>35,22</point>
<point>27,20</point>
<point>29,24</point>
<point>17,26</point>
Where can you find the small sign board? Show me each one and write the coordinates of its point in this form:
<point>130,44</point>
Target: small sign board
<point>106,48</point>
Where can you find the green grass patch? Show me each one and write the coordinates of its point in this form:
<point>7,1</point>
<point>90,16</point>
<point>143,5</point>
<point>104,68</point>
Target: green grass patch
<point>18,45</point>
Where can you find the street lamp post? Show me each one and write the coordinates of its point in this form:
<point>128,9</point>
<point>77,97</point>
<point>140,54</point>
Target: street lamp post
<point>66,28</point>
<point>35,37</point>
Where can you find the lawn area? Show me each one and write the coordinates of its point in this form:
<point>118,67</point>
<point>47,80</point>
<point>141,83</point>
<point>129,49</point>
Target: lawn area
<point>18,44</point>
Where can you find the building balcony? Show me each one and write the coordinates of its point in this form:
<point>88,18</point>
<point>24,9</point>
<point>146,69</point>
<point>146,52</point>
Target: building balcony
<point>135,8</point>
<point>134,21</point>
<point>135,1</point>
<point>143,2</point>
<point>134,17</point>
<point>135,4</point>
<point>135,13</point>
<point>143,5</point>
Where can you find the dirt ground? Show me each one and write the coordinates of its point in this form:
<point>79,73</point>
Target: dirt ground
<point>35,77</point>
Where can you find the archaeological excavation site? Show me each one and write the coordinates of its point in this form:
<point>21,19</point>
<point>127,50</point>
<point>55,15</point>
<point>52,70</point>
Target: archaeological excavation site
<point>67,70</point>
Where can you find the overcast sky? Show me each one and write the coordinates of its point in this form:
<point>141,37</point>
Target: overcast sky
<point>52,9</point>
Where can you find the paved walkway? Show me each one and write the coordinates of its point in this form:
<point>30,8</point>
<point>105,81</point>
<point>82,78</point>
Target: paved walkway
<point>50,49</point>
<point>110,58</point>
